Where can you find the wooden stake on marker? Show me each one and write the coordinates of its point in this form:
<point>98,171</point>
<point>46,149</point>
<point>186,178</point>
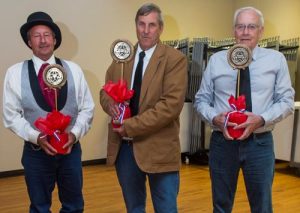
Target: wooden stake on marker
<point>122,71</point>
<point>238,83</point>
<point>55,91</point>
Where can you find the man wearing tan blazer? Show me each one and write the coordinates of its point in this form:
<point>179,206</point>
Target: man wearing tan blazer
<point>147,144</point>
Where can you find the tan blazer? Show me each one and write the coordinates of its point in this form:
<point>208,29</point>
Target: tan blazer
<point>155,130</point>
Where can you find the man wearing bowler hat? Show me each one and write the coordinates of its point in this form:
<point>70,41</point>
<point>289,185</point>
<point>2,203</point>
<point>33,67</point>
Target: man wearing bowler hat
<point>26,98</point>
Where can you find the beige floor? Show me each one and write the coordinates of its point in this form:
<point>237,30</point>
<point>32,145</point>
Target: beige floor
<point>102,192</point>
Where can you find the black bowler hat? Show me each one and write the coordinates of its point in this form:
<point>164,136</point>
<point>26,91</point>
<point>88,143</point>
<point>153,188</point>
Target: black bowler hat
<point>40,18</point>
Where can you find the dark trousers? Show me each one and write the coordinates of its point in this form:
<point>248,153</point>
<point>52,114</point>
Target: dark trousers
<point>255,157</point>
<point>164,187</point>
<point>43,171</point>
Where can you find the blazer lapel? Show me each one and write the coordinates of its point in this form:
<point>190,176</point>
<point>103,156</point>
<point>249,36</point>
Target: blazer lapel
<point>151,69</point>
<point>128,67</point>
<point>128,71</point>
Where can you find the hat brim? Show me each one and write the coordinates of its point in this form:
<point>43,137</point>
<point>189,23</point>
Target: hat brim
<point>27,26</point>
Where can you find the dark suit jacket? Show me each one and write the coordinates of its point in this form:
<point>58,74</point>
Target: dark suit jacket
<point>155,130</point>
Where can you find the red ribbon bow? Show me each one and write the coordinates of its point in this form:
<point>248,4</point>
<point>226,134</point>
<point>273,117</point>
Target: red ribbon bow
<point>238,104</point>
<point>54,126</point>
<point>118,91</point>
<point>236,115</point>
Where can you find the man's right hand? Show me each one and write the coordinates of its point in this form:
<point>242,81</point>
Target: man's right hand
<point>114,111</point>
<point>219,121</point>
<point>45,145</point>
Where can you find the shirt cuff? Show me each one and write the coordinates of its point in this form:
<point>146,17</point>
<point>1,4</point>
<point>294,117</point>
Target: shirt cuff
<point>266,121</point>
<point>33,136</point>
<point>76,132</point>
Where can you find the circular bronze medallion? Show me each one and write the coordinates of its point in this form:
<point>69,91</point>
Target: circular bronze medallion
<point>121,50</point>
<point>54,76</point>
<point>239,56</point>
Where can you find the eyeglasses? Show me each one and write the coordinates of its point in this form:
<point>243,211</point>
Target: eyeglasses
<point>242,27</point>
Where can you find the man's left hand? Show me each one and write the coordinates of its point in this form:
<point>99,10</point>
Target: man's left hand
<point>251,124</point>
<point>70,143</point>
<point>121,131</point>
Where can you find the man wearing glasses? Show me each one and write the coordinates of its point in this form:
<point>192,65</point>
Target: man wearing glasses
<point>271,100</point>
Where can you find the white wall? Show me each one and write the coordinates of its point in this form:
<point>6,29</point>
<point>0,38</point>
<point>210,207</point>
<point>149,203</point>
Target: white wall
<point>281,19</point>
<point>89,27</point>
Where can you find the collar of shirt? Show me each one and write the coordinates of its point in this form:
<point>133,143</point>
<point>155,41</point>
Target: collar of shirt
<point>148,55</point>
<point>255,53</point>
<point>38,62</point>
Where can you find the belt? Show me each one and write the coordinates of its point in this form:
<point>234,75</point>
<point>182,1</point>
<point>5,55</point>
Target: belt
<point>127,141</point>
<point>33,146</point>
<point>259,135</point>
<point>252,135</point>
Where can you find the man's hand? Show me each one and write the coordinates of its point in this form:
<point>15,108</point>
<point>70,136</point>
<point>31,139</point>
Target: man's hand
<point>251,124</point>
<point>70,143</point>
<point>121,131</point>
<point>43,143</point>
<point>219,121</point>
<point>114,111</point>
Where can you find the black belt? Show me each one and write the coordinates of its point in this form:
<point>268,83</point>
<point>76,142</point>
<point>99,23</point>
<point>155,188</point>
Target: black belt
<point>33,146</point>
<point>252,135</point>
<point>125,141</point>
<point>259,135</point>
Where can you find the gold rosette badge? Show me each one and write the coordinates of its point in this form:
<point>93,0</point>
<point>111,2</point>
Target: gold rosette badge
<point>121,51</point>
<point>239,56</point>
<point>54,76</point>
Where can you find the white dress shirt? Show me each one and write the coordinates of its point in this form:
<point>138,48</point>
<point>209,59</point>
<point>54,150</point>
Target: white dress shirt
<point>148,54</point>
<point>13,115</point>
<point>271,91</point>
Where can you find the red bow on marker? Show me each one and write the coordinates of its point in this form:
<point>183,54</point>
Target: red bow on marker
<point>54,126</point>
<point>119,92</point>
<point>236,115</point>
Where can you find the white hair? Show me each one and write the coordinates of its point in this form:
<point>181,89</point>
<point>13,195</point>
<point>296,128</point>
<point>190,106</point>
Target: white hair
<point>258,12</point>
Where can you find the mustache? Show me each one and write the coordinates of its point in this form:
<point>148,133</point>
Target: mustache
<point>43,45</point>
